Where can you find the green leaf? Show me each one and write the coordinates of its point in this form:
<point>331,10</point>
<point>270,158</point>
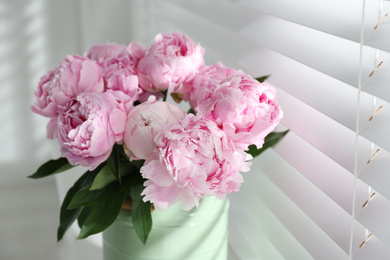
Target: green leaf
<point>67,217</point>
<point>105,210</point>
<point>269,141</point>
<point>51,167</point>
<point>85,211</point>
<point>165,93</point>
<point>191,111</point>
<point>123,158</point>
<point>141,212</point>
<point>113,163</point>
<point>89,196</point>
<point>262,79</point>
<point>138,164</point>
<point>103,178</point>
<point>85,197</point>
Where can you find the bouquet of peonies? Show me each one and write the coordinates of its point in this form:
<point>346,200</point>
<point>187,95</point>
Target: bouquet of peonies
<point>108,111</point>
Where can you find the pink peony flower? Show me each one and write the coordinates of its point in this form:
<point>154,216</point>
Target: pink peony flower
<point>206,81</point>
<point>191,160</point>
<point>119,63</point>
<point>147,120</point>
<point>173,59</point>
<point>88,127</point>
<point>72,76</point>
<point>244,108</point>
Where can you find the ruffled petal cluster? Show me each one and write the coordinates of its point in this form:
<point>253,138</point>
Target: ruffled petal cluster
<point>72,76</point>
<point>147,120</point>
<point>88,128</point>
<point>119,63</point>
<point>192,160</point>
<point>244,108</point>
<point>172,60</point>
<point>205,82</point>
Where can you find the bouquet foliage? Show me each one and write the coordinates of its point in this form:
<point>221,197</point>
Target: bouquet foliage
<point>108,110</point>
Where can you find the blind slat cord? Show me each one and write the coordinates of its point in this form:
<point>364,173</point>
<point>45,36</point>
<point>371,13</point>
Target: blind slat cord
<point>353,216</point>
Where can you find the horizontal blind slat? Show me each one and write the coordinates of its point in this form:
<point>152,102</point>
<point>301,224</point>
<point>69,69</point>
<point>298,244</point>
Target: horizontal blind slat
<point>376,173</point>
<point>378,83</point>
<point>336,142</point>
<point>322,171</point>
<point>320,131</point>
<point>378,30</point>
<point>253,217</point>
<point>312,204</point>
<point>378,128</point>
<point>346,17</point>
<point>346,14</point>
<point>241,237</point>
<point>373,249</point>
<point>337,183</point>
<point>323,52</point>
<point>375,217</point>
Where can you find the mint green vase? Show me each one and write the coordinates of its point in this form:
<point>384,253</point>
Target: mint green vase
<point>198,234</point>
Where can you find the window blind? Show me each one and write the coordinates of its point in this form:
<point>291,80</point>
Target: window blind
<point>323,192</point>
